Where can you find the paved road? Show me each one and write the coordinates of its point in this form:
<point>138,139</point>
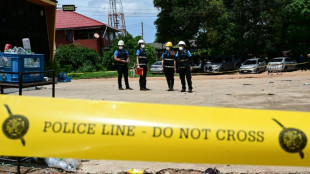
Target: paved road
<point>260,91</point>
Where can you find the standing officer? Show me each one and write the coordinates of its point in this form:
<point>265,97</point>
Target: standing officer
<point>184,64</point>
<point>169,64</point>
<point>121,58</point>
<point>142,63</point>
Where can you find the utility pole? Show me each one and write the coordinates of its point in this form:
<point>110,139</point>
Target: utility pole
<point>142,29</point>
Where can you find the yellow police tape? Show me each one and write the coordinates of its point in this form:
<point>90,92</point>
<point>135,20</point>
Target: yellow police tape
<point>45,127</point>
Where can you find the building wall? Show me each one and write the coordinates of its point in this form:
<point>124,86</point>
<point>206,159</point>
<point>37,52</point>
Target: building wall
<point>95,44</point>
<point>89,43</point>
<point>61,38</point>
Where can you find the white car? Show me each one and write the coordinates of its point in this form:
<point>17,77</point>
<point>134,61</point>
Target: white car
<point>156,68</point>
<point>281,64</point>
<point>253,65</point>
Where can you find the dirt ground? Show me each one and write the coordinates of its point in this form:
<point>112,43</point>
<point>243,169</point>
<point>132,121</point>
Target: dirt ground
<point>288,91</point>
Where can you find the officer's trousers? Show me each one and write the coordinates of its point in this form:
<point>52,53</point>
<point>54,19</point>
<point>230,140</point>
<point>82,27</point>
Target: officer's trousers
<point>169,73</point>
<point>185,72</point>
<point>122,69</point>
<point>142,80</point>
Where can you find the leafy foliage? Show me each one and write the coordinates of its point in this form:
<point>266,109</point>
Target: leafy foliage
<point>52,65</point>
<point>258,27</point>
<point>77,58</point>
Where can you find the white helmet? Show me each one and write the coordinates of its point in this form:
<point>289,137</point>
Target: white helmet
<point>121,43</point>
<point>140,41</point>
<point>182,43</point>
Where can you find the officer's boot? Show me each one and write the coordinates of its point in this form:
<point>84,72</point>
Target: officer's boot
<point>171,84</point>
<point>141,84</point>
<point>145,85</point>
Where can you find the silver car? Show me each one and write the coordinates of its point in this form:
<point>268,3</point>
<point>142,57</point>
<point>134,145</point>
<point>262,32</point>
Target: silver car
<point>253,65</point>
<point>156,68</point>
<point>281,64</point>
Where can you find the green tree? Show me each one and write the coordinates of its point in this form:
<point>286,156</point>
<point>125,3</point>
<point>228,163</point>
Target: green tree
<point>176,20</point>
<point>298,26</point>
<point>259,27</point>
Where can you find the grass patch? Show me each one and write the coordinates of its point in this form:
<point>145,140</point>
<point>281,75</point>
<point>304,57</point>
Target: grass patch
<point>104,74</point>
<point>93,75</point>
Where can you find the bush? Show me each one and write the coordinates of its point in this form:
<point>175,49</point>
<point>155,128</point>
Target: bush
<point>52,65</point>
<point>78,58</point>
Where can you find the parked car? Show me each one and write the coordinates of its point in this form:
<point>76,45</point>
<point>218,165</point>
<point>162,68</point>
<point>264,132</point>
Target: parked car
<point>156,68</point>
<point>224,63</point>
<point>281,64</point>
<point>196,63</point>
<point>253,65</point>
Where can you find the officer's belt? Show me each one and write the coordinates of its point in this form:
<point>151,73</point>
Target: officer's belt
<point>169,66</point>
<point>142,57</point>
<point>169,59</point>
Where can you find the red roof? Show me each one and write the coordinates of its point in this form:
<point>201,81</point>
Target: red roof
<point>71,19</point>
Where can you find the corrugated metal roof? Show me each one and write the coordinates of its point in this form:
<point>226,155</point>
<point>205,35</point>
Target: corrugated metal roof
<point>71,19</point>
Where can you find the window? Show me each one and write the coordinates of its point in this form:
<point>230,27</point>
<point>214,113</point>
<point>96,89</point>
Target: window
<point>250,62</point>
<point>5,62</point>
<point>289,60</point>
<point>276,60</point>
<point>69,35</point>
<point>31,63</point>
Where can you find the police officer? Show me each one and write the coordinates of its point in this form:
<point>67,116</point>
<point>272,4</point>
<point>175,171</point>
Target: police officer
<point>142,63</point>
<point>169,65</point>
<point>121,58</point>
<point>184,64</point>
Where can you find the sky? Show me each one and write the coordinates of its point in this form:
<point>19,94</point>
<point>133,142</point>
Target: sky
<point>135,12</point>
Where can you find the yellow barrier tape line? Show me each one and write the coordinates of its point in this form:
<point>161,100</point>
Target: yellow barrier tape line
<point>44,127</point>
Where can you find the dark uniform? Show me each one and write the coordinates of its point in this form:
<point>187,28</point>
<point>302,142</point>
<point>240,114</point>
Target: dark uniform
<point>184,62</point>
<point>122,68</point>
<point>143,64</point>
<point>168,65</point>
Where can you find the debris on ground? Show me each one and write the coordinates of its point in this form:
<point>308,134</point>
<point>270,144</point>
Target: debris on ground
<point>68,164</point>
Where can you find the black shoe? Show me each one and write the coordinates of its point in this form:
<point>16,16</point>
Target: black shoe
<point>129,88</point>
<point>183,90</point>
<point>143,89</point>
<point>120,88</point>
<point>146,89</point>
<point>190,90</point>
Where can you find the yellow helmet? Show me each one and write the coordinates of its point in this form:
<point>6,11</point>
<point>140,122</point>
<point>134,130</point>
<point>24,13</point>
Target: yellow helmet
<point>169,44</point>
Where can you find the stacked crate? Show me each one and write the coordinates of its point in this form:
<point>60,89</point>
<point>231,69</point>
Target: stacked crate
<point>21,63</point>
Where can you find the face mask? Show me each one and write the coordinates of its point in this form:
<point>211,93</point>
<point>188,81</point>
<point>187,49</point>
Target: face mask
<point>168,48</point>
<point>120,47</point>
<point>142,46</point>
<point>180,48</point>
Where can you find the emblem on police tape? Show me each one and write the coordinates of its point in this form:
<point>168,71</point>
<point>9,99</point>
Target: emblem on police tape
<point>292,140</point>
<point>16,126</point>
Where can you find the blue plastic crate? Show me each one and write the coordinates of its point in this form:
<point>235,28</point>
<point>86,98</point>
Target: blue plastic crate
<point>67,79</point>
<point>62,76</point>
<point>21,63</point>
